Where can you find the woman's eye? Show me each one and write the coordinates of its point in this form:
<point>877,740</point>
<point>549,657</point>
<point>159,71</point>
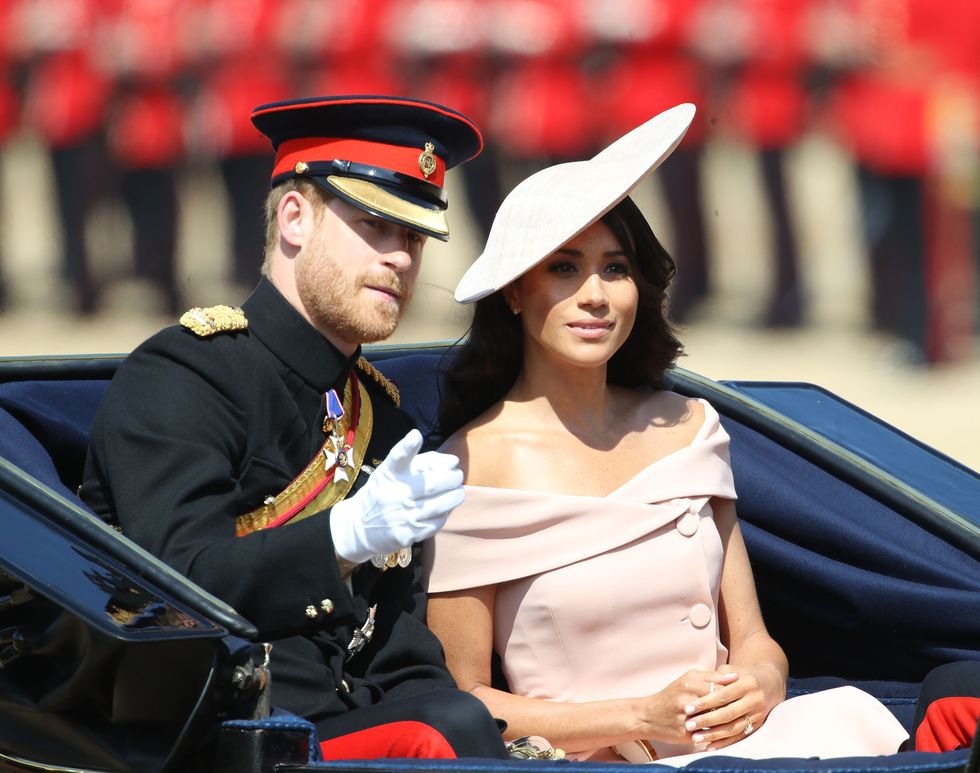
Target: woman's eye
<point>618,268</point>
<point>562,267</point>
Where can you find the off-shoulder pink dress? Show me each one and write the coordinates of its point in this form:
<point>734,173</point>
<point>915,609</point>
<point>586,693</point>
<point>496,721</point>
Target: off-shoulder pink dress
<point>617,596</point>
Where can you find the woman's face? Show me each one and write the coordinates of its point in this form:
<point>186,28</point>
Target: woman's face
<point>580,302</point>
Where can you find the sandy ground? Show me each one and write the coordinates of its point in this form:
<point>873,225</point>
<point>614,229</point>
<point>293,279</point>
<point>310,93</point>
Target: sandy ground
<point>835,349</point>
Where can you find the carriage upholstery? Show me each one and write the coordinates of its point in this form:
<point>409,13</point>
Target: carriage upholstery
<point>854,592</point>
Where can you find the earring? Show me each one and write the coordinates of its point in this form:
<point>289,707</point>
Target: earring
<point>515,311</point>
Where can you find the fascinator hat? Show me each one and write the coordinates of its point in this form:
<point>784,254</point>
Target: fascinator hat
<point>556,204</point>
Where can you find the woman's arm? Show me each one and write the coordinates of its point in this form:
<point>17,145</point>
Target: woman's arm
<point>463,621</point>
<point>720,718</point>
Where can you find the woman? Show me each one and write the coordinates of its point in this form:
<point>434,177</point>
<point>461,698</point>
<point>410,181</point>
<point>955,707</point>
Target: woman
<point>598,551</point>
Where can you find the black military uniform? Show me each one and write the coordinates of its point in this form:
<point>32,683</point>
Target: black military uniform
<point>205,423</point>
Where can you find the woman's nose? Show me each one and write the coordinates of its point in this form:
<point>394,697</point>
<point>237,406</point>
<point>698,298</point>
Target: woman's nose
<point>593,291</point>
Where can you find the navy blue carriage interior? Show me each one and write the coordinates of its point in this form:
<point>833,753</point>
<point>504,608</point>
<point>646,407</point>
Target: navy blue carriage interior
<point>865,546</point>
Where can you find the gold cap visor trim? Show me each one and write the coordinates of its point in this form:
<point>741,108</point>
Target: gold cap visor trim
<point>432,221</point>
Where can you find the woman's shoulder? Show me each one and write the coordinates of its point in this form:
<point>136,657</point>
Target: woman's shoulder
<point>484,430</point>
<point>665,408</point>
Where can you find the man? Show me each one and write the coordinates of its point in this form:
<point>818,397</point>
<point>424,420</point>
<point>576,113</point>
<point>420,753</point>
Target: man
<point>256,453</point>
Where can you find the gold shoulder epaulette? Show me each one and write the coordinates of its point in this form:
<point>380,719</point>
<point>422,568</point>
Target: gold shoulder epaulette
<point>390,389</point>
<point>213,319</point>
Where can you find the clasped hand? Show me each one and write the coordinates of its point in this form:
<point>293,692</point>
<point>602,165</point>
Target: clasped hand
<point>407,499</point>
<point>690,710</point>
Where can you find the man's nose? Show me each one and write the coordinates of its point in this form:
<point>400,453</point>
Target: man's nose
<point>398,252</point>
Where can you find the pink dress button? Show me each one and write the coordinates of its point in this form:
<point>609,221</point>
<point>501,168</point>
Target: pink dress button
<point>688,524</point>
<point>700,615</point>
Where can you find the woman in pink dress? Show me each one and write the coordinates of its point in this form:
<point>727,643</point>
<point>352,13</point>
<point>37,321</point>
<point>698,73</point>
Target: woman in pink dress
<point>598,552</point>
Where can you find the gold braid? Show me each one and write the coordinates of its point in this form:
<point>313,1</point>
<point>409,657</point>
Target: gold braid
<point>381,380</point>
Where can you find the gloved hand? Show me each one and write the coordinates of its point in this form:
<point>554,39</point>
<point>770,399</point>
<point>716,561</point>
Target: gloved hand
<point>407,499</point>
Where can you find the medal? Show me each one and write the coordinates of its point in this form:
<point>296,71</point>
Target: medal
<point>386,561</point>
<point>336,451</point>
<point>363,634</point>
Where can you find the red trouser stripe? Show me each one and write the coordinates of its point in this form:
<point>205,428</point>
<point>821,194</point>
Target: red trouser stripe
<point>949,724</point>
<point>393,739</point>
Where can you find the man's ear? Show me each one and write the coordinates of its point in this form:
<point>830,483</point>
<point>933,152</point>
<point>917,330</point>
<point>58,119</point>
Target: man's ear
<point>294,216</point>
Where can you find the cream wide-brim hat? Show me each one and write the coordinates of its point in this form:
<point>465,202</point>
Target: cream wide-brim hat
<point>556,204</point>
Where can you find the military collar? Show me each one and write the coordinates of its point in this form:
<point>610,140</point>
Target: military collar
<point>274,321</point>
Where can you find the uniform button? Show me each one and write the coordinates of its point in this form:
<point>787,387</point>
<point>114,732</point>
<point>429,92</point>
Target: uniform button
<point>344,686</point>
<point>311,612</point>
<point>327,606</point>
<point>700,615</point>
<point>688,524</point>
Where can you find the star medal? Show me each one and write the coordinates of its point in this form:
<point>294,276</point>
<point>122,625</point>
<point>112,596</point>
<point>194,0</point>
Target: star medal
<point>338,456</point>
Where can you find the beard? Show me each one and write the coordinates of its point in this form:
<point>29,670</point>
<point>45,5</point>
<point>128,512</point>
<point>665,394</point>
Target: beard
<point>338,302</point>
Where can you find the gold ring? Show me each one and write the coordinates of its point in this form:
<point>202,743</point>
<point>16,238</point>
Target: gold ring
<point>749,727</point>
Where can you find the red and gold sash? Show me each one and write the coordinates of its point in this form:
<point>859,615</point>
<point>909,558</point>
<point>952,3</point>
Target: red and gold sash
<point>315,488</point>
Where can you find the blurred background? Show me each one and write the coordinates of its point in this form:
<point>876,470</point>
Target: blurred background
<point>823,210</point>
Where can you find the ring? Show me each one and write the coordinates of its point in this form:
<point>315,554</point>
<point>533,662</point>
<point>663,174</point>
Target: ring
<point>711,687</point>
<point>749,727</point>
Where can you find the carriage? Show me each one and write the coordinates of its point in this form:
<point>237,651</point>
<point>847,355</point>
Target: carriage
<point>865,545</point>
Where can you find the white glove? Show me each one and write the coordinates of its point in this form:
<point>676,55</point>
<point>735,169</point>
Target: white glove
<point>407,499</point>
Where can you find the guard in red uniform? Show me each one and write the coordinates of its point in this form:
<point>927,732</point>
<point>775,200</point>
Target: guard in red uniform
<point>239,63</point>
<point>541,109</point>
<point>146,134</point>
<point>908,129</point>
<point>258,453</point>
<point>767,107</point>
<point>67,97</point>
<point>655,68</point>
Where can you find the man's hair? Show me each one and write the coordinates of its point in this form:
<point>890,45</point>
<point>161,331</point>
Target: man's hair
<point>309,190</point>
<point>485,367</point>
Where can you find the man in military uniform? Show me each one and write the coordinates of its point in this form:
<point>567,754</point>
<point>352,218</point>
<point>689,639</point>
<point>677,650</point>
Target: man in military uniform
<point>255,451</point>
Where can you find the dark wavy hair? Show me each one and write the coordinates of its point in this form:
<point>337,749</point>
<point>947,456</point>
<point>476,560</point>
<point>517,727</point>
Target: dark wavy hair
<point>479,372</point>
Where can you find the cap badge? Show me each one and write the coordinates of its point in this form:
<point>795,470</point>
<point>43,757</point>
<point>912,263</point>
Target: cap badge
<point>427,161</point>
<point>301,167</point>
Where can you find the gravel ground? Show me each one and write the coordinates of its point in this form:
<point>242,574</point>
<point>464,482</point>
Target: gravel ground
<point>937,405</point>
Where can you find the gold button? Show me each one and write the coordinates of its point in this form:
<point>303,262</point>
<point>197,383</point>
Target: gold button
<point>311,612</point>
<point>301,167</point>
<point>327,606</point>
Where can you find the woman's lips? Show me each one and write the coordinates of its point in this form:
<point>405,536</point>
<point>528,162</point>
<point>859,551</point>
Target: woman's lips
<point>590,330</point>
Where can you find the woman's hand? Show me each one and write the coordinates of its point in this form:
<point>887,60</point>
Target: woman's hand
<point>664,716</point>
<point>735,707</point>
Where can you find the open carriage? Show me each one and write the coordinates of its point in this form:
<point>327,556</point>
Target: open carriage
<point>864,542</point>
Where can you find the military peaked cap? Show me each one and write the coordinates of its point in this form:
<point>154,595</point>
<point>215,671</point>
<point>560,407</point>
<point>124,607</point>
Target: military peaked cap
<point>384,155</point>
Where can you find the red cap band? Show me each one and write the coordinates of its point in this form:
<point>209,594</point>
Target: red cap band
<point>394,157</point>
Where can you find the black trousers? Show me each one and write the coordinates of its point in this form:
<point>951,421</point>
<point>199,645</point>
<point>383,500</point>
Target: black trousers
<point>151,198</point>
<point>957,682</point>
<point>895,235</point>
<point>459,717</point>
<point>247,180</point>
